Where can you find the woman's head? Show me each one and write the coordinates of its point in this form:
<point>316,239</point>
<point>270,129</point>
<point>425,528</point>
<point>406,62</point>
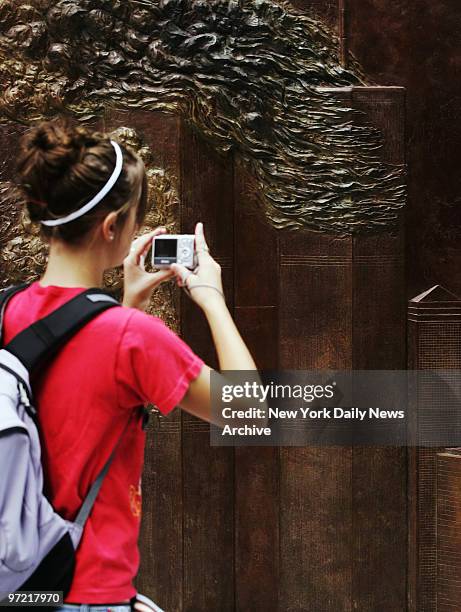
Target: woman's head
<point>60,168</point>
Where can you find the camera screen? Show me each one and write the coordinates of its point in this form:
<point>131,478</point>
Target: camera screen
<point>165,248</point>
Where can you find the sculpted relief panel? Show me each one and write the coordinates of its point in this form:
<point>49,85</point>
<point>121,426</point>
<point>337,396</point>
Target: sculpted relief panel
<point>248,74</point>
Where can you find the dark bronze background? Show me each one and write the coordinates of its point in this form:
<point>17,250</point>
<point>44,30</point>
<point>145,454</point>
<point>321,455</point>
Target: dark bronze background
<point>448,533</point>
<point>418,45</point>
<point>434,343</point>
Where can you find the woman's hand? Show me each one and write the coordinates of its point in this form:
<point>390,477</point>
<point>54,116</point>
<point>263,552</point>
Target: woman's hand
<point>208,273</point>
<point>139,284</point>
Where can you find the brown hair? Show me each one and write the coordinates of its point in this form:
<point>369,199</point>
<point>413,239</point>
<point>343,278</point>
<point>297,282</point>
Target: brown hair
<point>61,167</point>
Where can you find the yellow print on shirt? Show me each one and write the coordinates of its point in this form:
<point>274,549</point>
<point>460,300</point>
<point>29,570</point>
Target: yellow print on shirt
<point>135,499</point>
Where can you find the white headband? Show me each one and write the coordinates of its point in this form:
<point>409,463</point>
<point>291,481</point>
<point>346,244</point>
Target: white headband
<point>99,196</point>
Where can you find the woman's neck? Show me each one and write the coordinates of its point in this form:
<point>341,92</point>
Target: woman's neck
<point>71,267</point>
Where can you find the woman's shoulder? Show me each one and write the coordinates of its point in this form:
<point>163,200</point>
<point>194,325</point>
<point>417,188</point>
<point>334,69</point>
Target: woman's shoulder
<point>49,298</point>
<point>139,329</point>
<point>108,326</point>
<point>129,319</point>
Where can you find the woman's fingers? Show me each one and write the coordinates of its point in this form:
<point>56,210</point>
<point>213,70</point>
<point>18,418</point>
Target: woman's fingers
<point>201,246</point>
<point>140,607</point>
<point>161,276</point>
<point>181,273</point>
<point>141,245</point>
<point>156,232</point>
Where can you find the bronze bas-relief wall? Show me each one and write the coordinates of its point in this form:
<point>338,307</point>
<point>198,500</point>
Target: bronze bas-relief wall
<point>417,45</point>
<point>254,96</point>
<point>250,75</point>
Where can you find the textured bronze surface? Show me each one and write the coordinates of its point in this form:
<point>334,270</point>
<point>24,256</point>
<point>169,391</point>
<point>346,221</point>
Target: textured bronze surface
<point>245,73</point>
<point>340,305</point>
<point>434,341</point>
<point>418,45</point>
<point>448,536</point>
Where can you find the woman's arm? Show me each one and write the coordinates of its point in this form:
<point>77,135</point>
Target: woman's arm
<point>232,355</point>
<point>232,352</point>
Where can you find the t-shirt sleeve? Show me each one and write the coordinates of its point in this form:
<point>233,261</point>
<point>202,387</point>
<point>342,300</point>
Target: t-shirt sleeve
<point>153,364</point>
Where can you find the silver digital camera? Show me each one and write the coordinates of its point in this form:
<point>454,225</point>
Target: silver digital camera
<point>174,248</point>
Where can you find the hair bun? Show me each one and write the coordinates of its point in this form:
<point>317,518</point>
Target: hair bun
<point>41,139</point>
<point>59,144</point>
<point>48,153</point>
<point>60,167</point>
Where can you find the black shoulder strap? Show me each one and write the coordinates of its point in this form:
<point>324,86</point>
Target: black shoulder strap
<point>43,338</point>
<point>38,342</point>
<point>5,296</point>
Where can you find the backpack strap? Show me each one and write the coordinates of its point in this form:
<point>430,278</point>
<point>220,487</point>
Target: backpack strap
<point>38,342</point>
<point>42,339</point>
<point>5,296</point>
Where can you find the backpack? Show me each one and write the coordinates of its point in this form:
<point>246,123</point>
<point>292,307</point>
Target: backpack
<point>37,545</point>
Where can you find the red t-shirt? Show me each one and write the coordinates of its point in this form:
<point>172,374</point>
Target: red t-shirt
<point>122,359</point>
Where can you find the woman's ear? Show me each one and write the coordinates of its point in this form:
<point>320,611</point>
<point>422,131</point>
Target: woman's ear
<point>109,227</point>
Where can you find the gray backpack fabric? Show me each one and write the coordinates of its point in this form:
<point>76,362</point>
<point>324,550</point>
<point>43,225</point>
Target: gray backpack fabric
<point>37,545</point>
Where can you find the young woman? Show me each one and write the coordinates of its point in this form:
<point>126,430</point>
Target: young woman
<point>89,195</point>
